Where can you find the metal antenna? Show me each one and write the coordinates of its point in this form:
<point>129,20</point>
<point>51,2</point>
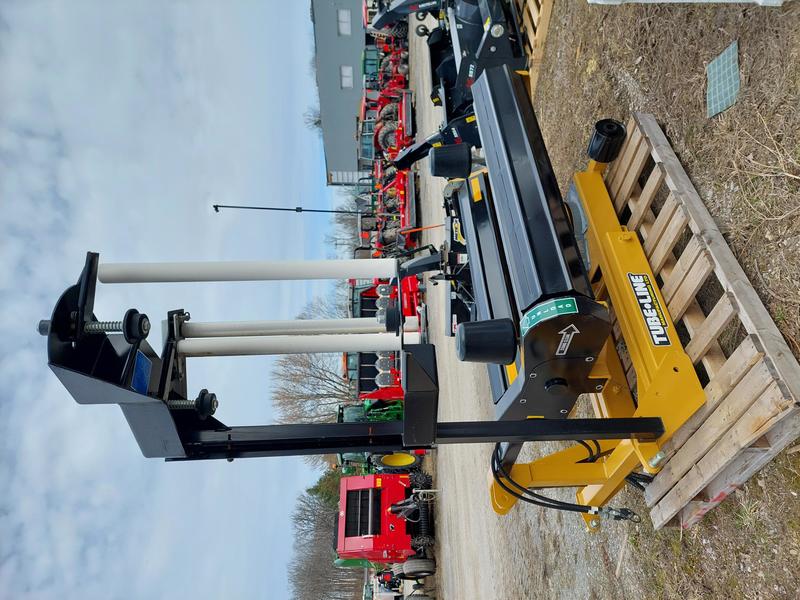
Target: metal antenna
<point>297,209</point>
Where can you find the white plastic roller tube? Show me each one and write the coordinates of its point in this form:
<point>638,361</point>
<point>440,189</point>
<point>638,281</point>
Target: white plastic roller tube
<point>294,344</point>
<point>191,329</point>
<point>181,272</point>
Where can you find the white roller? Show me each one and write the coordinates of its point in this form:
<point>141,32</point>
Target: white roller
<point>411,324</point>
<point>178,272</point>
<point>191,329</point>
<point>293,344</point>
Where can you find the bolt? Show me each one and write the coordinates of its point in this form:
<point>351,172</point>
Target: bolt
<point>205,404</point>
<point>594,523</point>
<point>523,400</point>
<point>658,458</point>
<point>103,327</point>
<point>590,359</point>
<point>497,30</point>
<point>492,49</point>
<point>563,411</point>
<point>135,326</point>
<point>599,388</point>
<point>533,375</point>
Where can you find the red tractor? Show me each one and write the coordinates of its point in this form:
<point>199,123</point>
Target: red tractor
<point>387,519</point>
<point>397,30</point>
<point>387,116</point>
<point>395,209</point>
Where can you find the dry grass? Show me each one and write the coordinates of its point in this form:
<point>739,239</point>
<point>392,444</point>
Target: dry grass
<point>605,62</point>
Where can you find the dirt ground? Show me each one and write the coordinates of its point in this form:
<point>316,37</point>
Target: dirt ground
<point>602,62</point>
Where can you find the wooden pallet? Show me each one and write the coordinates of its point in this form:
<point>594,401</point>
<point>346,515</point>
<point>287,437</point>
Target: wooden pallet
<point>752,380</point>
<point>534,17</point>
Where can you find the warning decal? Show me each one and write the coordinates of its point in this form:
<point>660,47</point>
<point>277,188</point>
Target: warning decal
<point>652,312</point>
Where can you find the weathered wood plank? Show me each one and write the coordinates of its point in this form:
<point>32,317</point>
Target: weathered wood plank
<point>623,161</point>
<point>663,219</point>
<point>672,233</point>
<point>743,467</point>
<point>642,203</point>
<point>716,321</point>
<point>691,284</point>
<point>771,407</point>
<point>610,173</point>
<point>730,408</point>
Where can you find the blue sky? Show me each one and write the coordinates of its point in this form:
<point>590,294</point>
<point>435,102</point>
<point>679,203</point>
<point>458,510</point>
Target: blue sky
<point>120,124</point>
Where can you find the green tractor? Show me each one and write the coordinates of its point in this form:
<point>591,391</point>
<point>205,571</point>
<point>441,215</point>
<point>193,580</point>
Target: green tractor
<point>364,463</point>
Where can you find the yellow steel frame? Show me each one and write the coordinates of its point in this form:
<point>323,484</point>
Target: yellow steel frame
<point>666,382</point>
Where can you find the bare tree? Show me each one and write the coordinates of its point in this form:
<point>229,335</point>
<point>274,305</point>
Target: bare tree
<point>345,233</point>
<point>313,119</point>
<point>308,388</point>
<point>312,574</point>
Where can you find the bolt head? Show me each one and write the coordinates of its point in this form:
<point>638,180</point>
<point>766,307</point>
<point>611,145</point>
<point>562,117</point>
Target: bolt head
<point>497,30</point>
<point>657,459</point>
<point>590,359</point>
<point>523,400</point>
<point>594,523</point>
<point>599,388</point>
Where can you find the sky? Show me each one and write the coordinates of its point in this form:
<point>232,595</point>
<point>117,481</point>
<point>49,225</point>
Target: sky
<point>121,123</point>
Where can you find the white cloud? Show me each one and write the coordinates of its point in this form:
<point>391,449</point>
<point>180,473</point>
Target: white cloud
<point>119,126</point>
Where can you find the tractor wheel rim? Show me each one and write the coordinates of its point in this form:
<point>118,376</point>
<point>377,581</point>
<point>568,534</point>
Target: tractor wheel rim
<point>398,459</point>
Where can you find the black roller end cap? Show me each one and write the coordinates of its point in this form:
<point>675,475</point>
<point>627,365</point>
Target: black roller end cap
<point>607,139</point>
<point>454,161</point>
<point>394,318</point>
<point>492,341</point>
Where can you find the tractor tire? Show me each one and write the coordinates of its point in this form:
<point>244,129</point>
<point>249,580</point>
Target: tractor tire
<point>415,568</point>
<point>389,236</point>
<point>387,136</point>
<point>368,223</point>
<point>422,541</point>
<point>422,30</point>
<point>389,113</point>
<point>400,30</point>
<point>390,202</point>
<point>397,570</point>
<point>388,175</point>
<point>421,481</point>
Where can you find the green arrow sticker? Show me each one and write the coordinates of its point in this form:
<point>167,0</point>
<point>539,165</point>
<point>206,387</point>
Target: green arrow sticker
<point>547,310</point>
